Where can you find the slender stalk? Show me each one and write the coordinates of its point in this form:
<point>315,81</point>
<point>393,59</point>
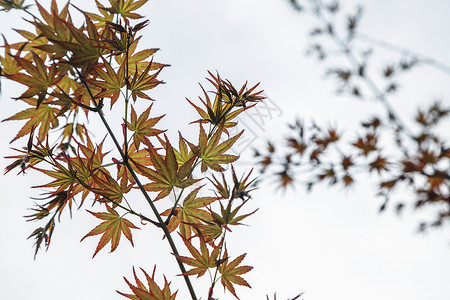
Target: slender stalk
<point>214,280</point>
<point>404,51</point>
<point>161,223</point>
<point>129,210</point>
<point>125,131</point>
<point>30,13</point>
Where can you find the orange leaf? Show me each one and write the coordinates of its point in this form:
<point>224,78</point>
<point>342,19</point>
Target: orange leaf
<point>112,228</point>
<point>43,117</point>
<point>230,273</point>
<point>112,83</point>
<point>200,261</point>
<point>153,292</point>
<point>189,213</point>
<point>166,174</point>
<point>143,126</point>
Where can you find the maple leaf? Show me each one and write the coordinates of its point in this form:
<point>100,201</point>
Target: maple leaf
<point>93,153</point>
<point>39,43</point>
<point>65,178</point>
<point>298,146</point>
<point>142,127</point>
<point>125,8</point>
<point>228,102</point>
<point>58,200</point>
<point>101,21</point>
<point>230,273</point>
<point>240,189</point>
<point>29,157</point>
<point>138,157</point>
<point>86,174</point>
<point>112,228</point>
<point>43,234</point>
<point>212,153</point>
<point>167,174</point>
<point>136,60</point>
<point>153,292</point>
<point>366,144</point>
<point>228,216</point>
<point>83,48</point>
<point>379,164</point>
<point>113,82</point>
<point>43,117</point>
<point>208,232</point>
<point>200,261</point>
<point>38,80</point>
<point>189,213</point>
<point>183,154</point>
<point>12,4</point>
<point>221,187</point>
<point>216,113</point>
<point>42,45</point>
<point>48,17</point>
<point>286,178</point>
<point>120,41</point>
<point>108,188</point>
<point>144,81</point>
<point>229,95</point>
<point>8,63</point>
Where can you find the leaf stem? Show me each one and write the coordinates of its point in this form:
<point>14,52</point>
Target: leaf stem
<point>213,282</point>
<point>125,131</point>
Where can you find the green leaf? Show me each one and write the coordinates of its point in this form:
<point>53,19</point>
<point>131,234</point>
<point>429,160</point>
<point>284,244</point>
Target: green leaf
<point>143,81</point>
<point>125,8</point>
<point>190,212</point>
<point>212,153</point>
<point>43,117</point>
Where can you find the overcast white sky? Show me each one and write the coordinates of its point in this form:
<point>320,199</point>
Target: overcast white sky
<point>329,244</point>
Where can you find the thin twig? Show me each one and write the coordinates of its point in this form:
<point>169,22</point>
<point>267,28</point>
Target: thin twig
<point>144,193</point>
<point>404,51</point>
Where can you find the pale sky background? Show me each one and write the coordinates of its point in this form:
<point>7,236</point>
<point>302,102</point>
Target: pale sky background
<point>330,244</point>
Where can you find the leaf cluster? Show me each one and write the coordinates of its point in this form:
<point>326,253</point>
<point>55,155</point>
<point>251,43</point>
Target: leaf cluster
<point>73,72</point>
